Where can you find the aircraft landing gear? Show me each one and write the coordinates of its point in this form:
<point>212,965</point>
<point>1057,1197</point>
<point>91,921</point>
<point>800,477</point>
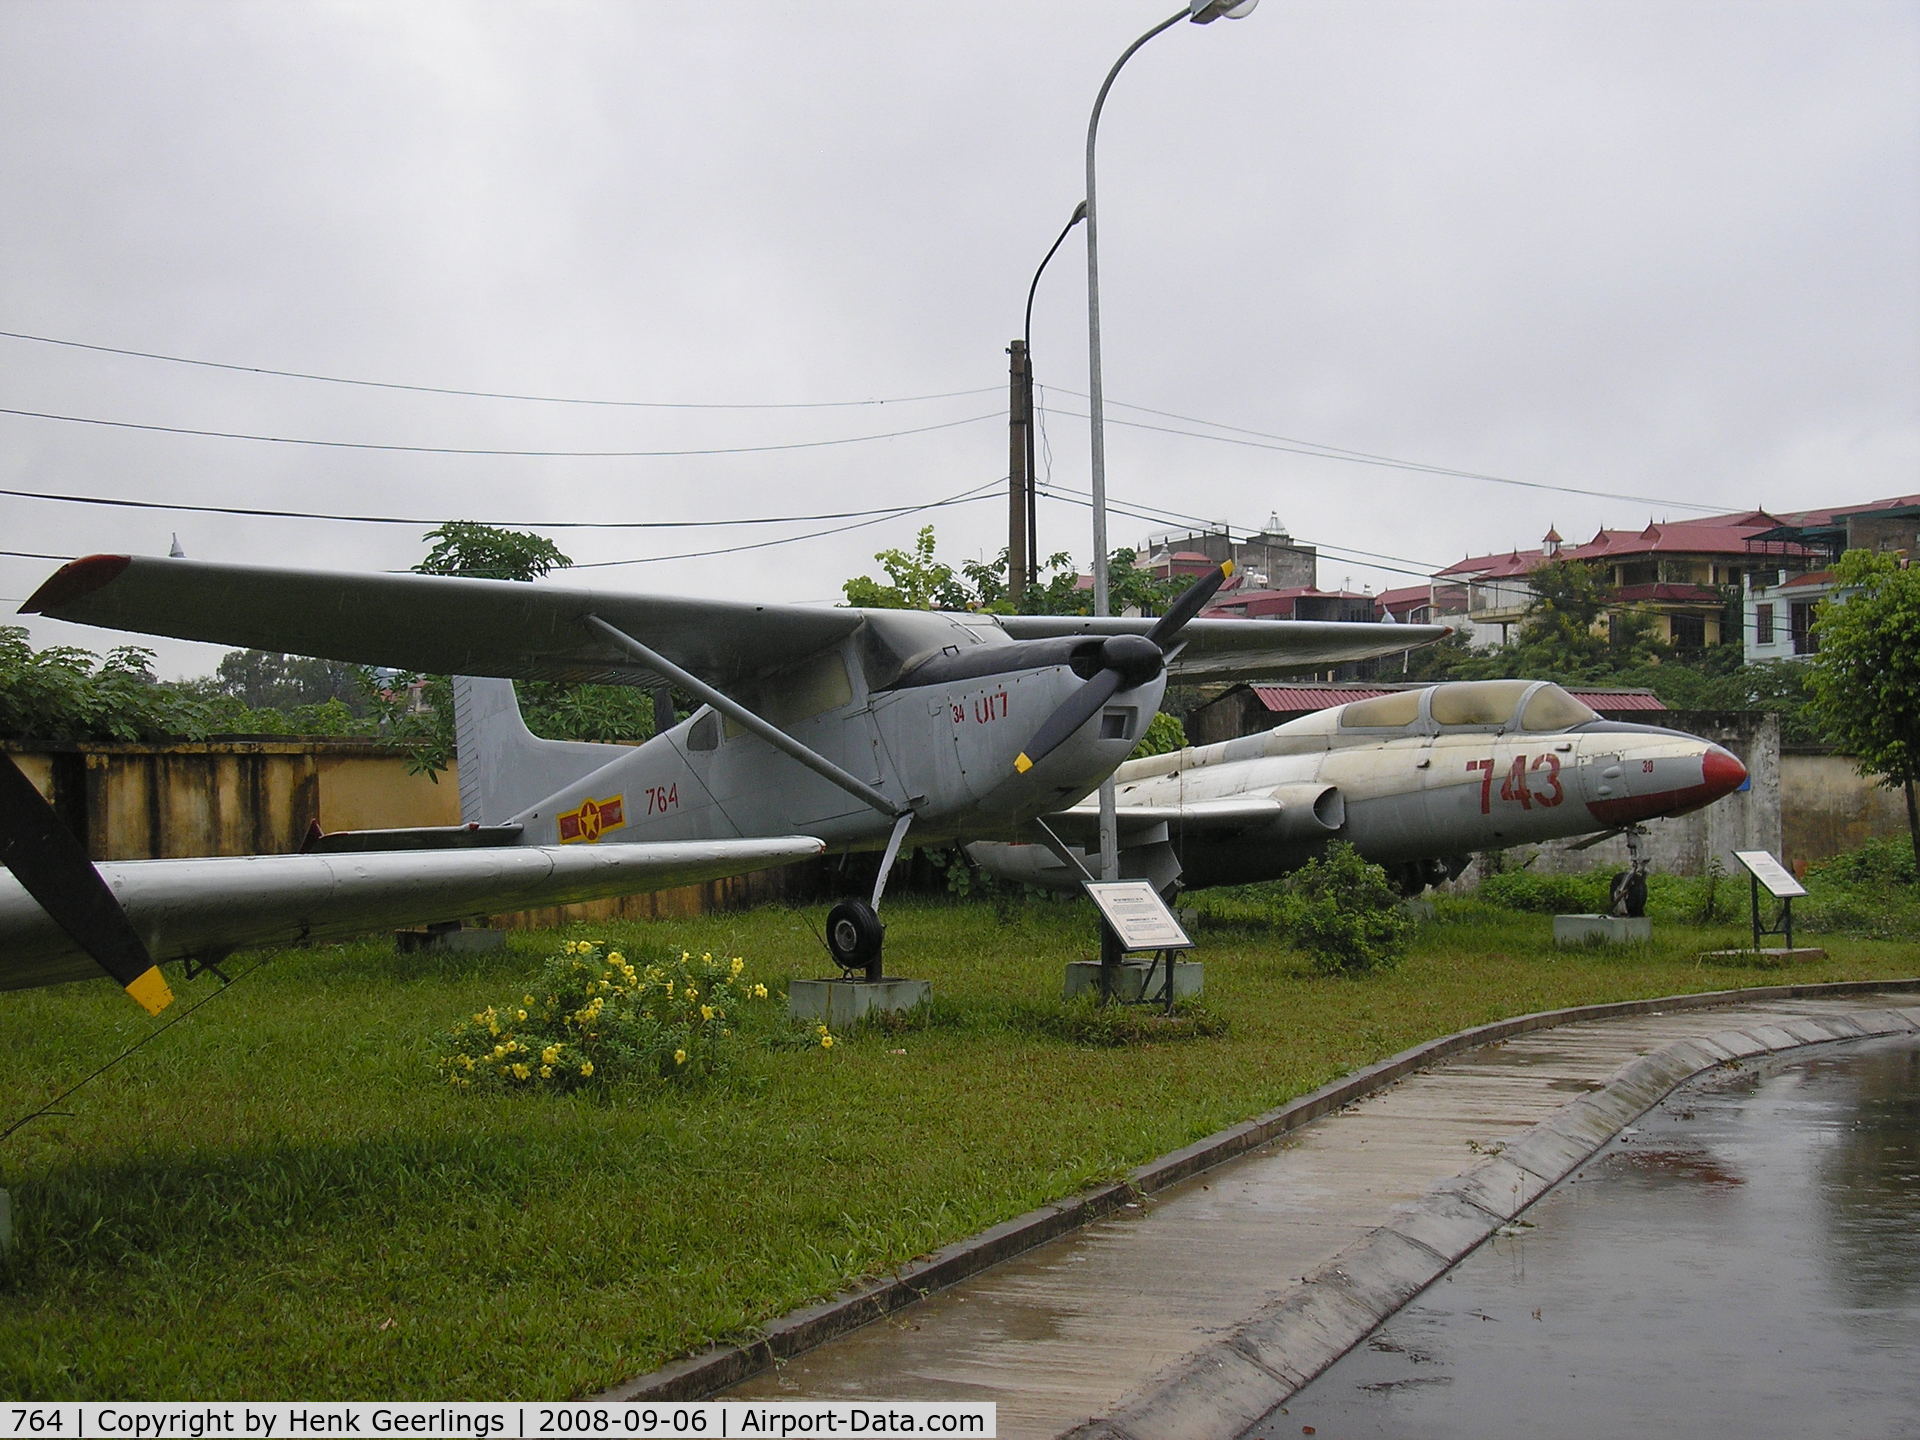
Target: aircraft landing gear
<point>1628,893</point>
<point>854,936</point>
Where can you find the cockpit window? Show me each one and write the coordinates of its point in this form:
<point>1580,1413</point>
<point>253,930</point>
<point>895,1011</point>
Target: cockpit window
<point>1552,708</point>
<point>1477,702</point>
<point>1396,710</point>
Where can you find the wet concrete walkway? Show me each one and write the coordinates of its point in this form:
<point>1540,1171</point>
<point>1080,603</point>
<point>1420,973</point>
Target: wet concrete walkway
<point>1151,1314</point>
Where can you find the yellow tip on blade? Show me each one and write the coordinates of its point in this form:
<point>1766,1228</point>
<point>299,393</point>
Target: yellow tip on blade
<point>1021,763</point>
<point>150,989</point>
<point>1226,568</point>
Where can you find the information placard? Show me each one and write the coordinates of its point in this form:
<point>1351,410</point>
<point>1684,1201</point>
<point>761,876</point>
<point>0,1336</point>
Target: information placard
<point>1138,915</point>
<point>1770,873</point>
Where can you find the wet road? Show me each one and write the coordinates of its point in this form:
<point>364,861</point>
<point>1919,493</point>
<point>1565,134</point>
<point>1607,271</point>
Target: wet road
<point>1743,1261</point>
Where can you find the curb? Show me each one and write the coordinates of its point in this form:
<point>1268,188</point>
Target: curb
<point>1232,1383</point>
<point>695,1377</point>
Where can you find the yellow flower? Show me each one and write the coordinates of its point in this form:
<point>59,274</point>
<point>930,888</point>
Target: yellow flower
<point>679,1057</point>
<point>586,1067</point>
<point>520,1072</point>
<point>736,965</point>
<point>550,1055</point>
<point>826,1042</point>
<point>759,992</point>
<point>616,958</point>
<point>706,1012</point>
<point>526,999</point>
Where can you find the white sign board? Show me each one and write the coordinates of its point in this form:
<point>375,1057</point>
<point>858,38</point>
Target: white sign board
<point>1138,915</point>
<point>1770,873</point>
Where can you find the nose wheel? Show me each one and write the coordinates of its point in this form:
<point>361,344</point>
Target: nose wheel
<point>854,936</point>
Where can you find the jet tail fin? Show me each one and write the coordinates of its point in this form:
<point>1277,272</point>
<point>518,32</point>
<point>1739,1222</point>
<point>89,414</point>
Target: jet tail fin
<point>505,767</point>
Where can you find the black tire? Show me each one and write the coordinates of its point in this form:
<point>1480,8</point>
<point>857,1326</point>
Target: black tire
<point>854,935</point>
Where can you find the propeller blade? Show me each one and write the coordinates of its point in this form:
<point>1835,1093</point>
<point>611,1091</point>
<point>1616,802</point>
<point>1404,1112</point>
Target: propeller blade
<point>1074,711</point>
<point>1125,661</point>
<point>52,867</point>
<point>1189,603</point>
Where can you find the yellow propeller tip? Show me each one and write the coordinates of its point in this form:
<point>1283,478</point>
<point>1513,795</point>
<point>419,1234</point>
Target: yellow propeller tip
<point>1226,568</point>
<point>1021,763</point>
<point>150,989</point>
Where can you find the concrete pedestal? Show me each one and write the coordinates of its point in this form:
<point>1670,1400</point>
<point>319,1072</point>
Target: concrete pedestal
<point>1137,979</point>
<point>838,1003</point>
<point>1602,929</point>
<point>1774,956</point>
<point>453,940</point>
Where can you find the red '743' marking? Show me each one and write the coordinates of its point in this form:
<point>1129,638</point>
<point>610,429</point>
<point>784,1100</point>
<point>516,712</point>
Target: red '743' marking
<point>1517,787</point>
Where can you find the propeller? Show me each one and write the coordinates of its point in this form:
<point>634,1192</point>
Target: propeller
<point>52,867</point>
<point>1125,661</point>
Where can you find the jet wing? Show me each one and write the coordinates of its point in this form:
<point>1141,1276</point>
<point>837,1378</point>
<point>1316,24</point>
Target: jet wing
<point>436,624</point>
<point>184,908</point>
<point>1244,649</point>
<point>1080,824</point>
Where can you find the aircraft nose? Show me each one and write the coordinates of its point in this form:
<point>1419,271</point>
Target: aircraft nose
<point>1721,772</point>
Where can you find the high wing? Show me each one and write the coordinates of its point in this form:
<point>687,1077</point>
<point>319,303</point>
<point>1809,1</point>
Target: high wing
<point>446,625</point>
<point>437,624</point>
<point>185,908</point>
<point>1244,649</point>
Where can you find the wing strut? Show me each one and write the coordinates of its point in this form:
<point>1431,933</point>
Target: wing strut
<point>747,720</point>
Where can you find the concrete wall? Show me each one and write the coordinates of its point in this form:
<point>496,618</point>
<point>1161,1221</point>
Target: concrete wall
<point>1831,808</point>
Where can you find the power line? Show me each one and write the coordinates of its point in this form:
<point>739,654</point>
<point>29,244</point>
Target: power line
<point>1361,457</point>
<point>495,394</point>
<point>440,520</point>
<point>984,491</point>
<point>514,454</point>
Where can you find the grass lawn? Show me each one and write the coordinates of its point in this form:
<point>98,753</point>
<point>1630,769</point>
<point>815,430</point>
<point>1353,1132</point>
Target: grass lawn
<point>280,1199</point>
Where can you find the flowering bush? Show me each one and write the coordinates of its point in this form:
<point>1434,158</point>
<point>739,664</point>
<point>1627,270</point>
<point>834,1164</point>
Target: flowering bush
<point>593,1017</point>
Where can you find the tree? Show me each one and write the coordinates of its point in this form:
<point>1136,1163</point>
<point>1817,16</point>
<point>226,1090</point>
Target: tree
<point>1865,677</point>
<point>604,714</point>
<point>919,581</point>
<point>486,552</point>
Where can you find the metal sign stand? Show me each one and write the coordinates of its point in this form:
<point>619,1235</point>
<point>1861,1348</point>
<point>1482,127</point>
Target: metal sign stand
<point>1135,920</point>
<point>1779,882</point>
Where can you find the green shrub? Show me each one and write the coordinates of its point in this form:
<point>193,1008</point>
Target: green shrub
<point>1344,913</point>
<point>593,1019</point>
<point>1878,862</point>
<point>1549,894</point>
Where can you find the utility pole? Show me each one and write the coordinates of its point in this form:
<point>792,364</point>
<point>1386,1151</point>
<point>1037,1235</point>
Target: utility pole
<point>1019,481</point>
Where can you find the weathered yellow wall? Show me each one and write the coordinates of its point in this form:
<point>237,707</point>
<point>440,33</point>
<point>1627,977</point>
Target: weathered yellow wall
<point>363,792</point>
<point>1828,808</point>
<point>144,802</point>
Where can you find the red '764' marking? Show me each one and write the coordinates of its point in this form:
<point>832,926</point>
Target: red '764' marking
<point>1517,787</point>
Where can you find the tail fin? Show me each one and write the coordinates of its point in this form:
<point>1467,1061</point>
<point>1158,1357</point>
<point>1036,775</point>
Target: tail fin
<point>504,767</point>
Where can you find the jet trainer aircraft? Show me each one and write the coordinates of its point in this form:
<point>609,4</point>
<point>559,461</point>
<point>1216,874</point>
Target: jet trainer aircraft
<point>841,727</point>
<point>1416,780</point>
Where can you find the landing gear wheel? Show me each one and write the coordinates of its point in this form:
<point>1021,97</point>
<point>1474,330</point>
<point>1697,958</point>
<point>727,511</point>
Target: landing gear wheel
<point>854,935</point>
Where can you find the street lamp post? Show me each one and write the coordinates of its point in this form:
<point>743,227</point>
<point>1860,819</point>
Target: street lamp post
<point>1200,12</point>
<point>1023,550</point>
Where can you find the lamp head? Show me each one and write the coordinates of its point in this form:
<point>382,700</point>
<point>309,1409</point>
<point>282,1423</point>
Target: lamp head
<point>1205,12</point>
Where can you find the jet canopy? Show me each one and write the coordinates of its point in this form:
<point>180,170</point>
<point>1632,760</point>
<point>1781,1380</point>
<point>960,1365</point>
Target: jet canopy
<point>1530,705</point>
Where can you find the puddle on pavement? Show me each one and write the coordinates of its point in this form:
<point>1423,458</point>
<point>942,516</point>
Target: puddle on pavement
<point>1744,1261</point>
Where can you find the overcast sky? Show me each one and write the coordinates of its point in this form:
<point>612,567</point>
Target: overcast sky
<point>1665,250</point>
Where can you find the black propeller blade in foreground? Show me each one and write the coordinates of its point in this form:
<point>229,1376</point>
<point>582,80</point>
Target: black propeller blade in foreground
<point>1125,661</point>
<point>52,867</point>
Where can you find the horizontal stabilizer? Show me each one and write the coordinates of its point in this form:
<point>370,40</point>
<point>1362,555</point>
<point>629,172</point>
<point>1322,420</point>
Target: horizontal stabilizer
<point>420,837</point>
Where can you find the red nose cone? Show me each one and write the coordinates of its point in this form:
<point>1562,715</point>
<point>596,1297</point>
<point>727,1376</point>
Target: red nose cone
<point>1721,773</point>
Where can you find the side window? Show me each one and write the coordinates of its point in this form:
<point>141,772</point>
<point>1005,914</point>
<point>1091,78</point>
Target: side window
<point>704,733</point>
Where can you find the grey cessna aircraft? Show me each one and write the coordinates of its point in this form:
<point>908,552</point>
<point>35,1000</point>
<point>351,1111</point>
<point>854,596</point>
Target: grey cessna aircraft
<point>833,727</point>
